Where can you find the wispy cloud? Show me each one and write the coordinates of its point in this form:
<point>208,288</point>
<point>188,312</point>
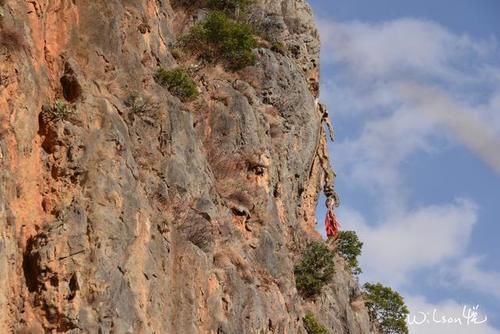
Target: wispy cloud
<point>400,46</point>
<point>413,240</point>
<point>465,123</point>
<point>469,274</point>
<point>420,74</point>
<point>373,159</point>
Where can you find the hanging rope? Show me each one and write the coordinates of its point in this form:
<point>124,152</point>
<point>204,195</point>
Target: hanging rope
<point>332,224</point>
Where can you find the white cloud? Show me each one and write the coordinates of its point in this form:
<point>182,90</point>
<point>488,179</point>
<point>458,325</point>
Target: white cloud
<point>491,112</point>
<point>412,240</point>
<point>468,274</point>
<point>412,80</point>
<point>345,99</point>
<point>464,122</point>
<point>373,159</point>
<point>390,48</point>
<point>433,314</point>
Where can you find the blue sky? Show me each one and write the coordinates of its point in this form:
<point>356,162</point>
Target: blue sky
<point>413,89</point>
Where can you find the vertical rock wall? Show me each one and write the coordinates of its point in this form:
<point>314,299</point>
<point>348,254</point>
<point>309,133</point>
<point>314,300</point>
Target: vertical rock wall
<point>185,218</point>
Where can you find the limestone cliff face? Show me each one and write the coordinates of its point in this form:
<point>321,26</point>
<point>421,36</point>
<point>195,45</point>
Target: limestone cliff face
<point>182,219</point>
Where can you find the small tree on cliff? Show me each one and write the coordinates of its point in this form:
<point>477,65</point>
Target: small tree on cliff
<point>315,269</point>
<point>221,39</point>
<point>349,247</point>
<point>386,308</point>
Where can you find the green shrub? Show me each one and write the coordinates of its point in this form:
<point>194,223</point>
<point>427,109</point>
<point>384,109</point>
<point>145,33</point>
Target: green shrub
<point>232,7</point>
<point>178,82</point>
<point>349,247</point>
<point>312,326</point>
<point>58,111</point>
<point>386,308</point>
<point>221,39</point>
<point>315,269</point>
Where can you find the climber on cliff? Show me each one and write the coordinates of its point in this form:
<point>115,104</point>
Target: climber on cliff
<point>332,225</point>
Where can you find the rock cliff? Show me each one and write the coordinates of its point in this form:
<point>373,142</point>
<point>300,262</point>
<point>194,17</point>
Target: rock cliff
<point>181,218</point>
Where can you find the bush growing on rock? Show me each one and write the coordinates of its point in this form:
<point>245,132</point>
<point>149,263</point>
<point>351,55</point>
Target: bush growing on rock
<point>349,247</point>
<point>178,82</point>
<point>386,308</point>
<point>233,7</point>
<point>312,326</point>
<point>222,39</point>
<point>315,269</point>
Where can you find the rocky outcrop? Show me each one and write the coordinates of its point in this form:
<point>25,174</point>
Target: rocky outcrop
<point>176,218</point>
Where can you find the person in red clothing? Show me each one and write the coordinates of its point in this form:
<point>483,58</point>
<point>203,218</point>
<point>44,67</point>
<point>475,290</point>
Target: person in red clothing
<point>332,225</point>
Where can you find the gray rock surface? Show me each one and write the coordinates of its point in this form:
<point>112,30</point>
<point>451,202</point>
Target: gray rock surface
<point>184,218</point>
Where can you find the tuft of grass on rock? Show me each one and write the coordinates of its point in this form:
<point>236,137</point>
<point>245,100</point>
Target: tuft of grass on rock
<point>178,82</point>
<point>140,104</point>
<point>60,110</point>
<point>279,47</point>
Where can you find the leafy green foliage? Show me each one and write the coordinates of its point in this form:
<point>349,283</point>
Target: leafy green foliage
<point>58,111</point>
<point>232,7</point>
<point>220,38</point>
<point>178,82</point>
<point>349,247</point>
<point>312,326</point>
<point>315,269</point>
<point>386,307</point>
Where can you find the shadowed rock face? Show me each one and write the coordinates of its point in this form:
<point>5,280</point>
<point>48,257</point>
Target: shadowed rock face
<point>176,218</point>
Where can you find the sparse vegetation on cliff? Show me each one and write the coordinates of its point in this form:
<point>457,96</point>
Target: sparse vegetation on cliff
<point>349,247</point>
<point>386,308</point>
<point>312,326</point>
<point>58,111</point>
<point>140,104</point>
<point>315,269</point>
<point>233,7</point>
<point>222,39</point>
<point>178,82</point>
<point>279,47</point>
